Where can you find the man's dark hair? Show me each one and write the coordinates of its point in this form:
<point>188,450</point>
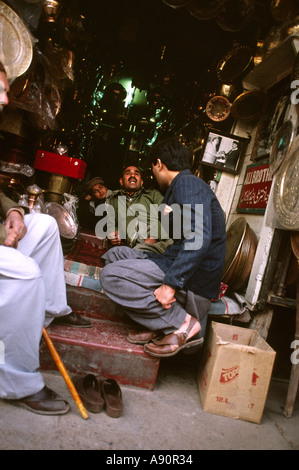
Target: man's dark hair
<point>127,166</point>
<point>172,153</point>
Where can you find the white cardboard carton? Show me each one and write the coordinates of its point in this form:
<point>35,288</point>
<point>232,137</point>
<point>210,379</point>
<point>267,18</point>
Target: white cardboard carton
<point>234,376</point>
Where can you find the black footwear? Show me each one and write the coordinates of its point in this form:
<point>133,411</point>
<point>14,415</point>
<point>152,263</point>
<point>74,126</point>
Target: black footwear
<point>44,402</point>
<point>73,319</point>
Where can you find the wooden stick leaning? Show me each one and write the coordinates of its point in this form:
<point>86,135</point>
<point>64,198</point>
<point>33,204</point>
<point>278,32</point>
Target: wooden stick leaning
<point>65,374</point>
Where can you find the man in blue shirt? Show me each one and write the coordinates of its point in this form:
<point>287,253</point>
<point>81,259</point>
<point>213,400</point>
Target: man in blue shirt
<point>169,294</point>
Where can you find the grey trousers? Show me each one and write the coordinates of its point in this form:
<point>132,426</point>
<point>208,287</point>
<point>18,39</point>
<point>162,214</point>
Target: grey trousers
<point>129,278</point>
<point>31,284</point>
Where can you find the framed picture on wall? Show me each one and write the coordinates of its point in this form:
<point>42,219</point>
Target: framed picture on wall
<point>223,151</point>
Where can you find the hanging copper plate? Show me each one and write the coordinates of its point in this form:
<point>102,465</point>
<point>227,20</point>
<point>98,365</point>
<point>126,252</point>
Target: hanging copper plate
<point>281,10</point>
<point>205,9</point>
<point>218,108</point>
<point>248,105</point>
<point>286,194</point>
<point>234,63</point>
<point>234,239</point>
<point>244,264</point>
<point>236,15</point>
<point>16,46</point>
<point>282,141</point>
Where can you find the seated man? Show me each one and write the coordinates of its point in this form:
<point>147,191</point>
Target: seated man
<point>135,214</point>
<point>169,294</point>
<point>31,284</point>
<point>97,194</point>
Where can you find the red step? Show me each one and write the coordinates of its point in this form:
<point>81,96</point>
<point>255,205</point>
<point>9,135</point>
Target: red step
<point>102,349</point>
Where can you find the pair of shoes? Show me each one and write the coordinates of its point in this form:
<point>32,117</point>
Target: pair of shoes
<point>141,337</point>
<point>72,319</point>
<point>44,402</point>
<point>169,345</point>
<point>98,394</point>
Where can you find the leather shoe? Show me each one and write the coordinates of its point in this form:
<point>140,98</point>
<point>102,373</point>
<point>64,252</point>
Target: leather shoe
<point>112,395</point>
<point>89,391</point>
<point>44,402</point>
<point>72,319</point>
<point>169,345</point>
<point>141,337</point>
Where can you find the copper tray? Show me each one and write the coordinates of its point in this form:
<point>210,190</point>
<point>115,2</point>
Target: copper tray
<point>234,239</point>
<point>218,108</point>
<point>16,45</point>
<point>234,63</point>
<point>286,194</point>
<point>236,14</point>
<point>240,251</point>
<point>248,105</point>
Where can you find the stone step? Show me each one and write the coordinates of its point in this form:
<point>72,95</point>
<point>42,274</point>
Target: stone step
<point>103,349</point>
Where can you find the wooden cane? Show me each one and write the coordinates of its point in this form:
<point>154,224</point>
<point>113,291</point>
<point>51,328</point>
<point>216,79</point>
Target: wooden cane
<point>65,374</point>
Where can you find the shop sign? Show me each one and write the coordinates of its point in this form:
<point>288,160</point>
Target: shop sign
<point>256,188</point>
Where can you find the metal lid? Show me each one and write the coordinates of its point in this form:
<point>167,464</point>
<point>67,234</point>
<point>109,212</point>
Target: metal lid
<point>16,45</point>
<point>286,194</point>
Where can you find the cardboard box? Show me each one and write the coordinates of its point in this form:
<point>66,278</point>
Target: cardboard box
<point>60,164</point>
<point>235,373</point>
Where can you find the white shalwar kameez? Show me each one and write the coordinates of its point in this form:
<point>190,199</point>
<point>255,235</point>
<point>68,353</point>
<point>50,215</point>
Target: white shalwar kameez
<point>32,293</point>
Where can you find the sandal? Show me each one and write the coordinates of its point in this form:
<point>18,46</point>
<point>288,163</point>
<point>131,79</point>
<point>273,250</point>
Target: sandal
<point>113,397</point>
<point>89,391</point>
<point>173,343</point>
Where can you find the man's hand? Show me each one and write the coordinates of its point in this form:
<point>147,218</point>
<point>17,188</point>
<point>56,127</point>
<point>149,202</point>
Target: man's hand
<point>16,229</point>
<point>165,295</point>
<point>114,239</point>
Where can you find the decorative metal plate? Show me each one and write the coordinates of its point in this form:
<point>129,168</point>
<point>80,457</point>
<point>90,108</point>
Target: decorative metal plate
<point>236,14</point>
<point>234,240</point>
<point>248,105</point>
<point>66,224</point>
<point>282,141</point>
<point>234,63</point>
<point>16,46</point>
<point>218,108</point>
<point>286,194</point>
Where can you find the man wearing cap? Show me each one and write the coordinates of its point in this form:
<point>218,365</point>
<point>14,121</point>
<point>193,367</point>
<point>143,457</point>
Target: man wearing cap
<point>97,194</point>
<point>33,294</point>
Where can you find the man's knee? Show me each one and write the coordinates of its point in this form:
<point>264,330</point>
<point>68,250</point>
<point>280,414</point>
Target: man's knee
<point>116,253</point>
<point>106,277</point>
<point>44,221</point>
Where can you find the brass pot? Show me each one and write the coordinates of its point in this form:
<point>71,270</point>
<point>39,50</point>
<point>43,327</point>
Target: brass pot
<point>54,186</point>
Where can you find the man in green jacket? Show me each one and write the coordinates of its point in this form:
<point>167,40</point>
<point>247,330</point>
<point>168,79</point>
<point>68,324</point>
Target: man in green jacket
<point>135,214</point>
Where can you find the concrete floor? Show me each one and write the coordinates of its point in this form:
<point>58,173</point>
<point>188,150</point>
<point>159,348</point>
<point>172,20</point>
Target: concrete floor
<point>168,418</point>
